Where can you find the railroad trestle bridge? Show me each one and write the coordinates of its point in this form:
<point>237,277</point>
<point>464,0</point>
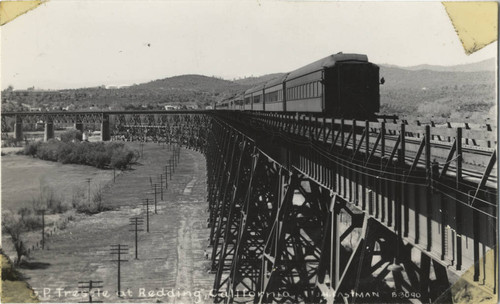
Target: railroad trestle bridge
<point>313,209</point>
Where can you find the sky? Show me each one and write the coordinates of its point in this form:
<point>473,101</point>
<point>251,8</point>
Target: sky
<point>71,44</point>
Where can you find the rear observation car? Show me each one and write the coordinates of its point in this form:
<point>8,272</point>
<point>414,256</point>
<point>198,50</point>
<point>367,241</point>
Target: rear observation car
<point>340,85</point>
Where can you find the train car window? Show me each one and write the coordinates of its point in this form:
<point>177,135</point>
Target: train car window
<point>272,97</point>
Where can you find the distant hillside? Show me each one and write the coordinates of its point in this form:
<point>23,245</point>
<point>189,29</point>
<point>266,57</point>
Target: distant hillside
<point>253,81</point>
<point>485,65</point>
<point>428,93</point>
<point>399,77</point>
<point>179,90</point>
<point>190,83</point>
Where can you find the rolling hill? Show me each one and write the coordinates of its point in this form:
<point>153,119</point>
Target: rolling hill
<point>485,65</point>
<point>194,83</point>
<point>430,94</point>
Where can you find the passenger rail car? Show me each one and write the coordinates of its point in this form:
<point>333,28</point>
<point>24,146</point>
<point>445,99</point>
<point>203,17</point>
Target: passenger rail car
<point>254,98</point>
<point>274,95</point>
<point>234,103</point>
<point>340,85</point>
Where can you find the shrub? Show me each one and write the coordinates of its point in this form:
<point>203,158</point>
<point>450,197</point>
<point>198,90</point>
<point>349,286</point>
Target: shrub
<point>24,212</point>
<point>121,159</point>
<point>32,223</point>
<point>77,196</point>
<point>71,135</point>
<point>100,155</point>
<point>49,201</point>
<point>31,148</point>
<point>10,142</point>
<point>95,206</point>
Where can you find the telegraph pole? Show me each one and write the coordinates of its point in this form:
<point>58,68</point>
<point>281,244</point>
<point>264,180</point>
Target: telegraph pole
<point>161,186</point>
<point>119,250</point>
<point>42,211</point>
<point>90,285</point>
<point>136,222</point>
<point>146,203</point>
<point>166,177</point>
<point>155,186</point>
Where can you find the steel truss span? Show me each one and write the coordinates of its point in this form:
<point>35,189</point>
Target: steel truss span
<point>315,210</point>
<point>310,209</point>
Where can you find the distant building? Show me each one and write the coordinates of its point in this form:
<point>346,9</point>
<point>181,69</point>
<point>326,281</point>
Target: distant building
<point>171,107</point>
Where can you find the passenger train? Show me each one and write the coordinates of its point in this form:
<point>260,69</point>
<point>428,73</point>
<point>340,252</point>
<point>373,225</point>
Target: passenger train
<point>340,85</point>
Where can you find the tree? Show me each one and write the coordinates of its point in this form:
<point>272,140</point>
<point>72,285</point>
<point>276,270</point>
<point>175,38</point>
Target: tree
<point>14,226</point>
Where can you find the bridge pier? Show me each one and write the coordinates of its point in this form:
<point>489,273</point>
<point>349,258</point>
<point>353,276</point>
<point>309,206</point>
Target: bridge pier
<point>79,127</point>
<point>18,128</point>
<point>105,132</point>
<point>49,130</point>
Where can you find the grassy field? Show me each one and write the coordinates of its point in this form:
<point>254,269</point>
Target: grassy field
<point>171,255</point>
<point>22,177</point>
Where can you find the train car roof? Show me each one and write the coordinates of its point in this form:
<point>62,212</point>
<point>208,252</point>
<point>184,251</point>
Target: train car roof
<point>255,89</point>
<point>326,62</point>
<point>275,81</point>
